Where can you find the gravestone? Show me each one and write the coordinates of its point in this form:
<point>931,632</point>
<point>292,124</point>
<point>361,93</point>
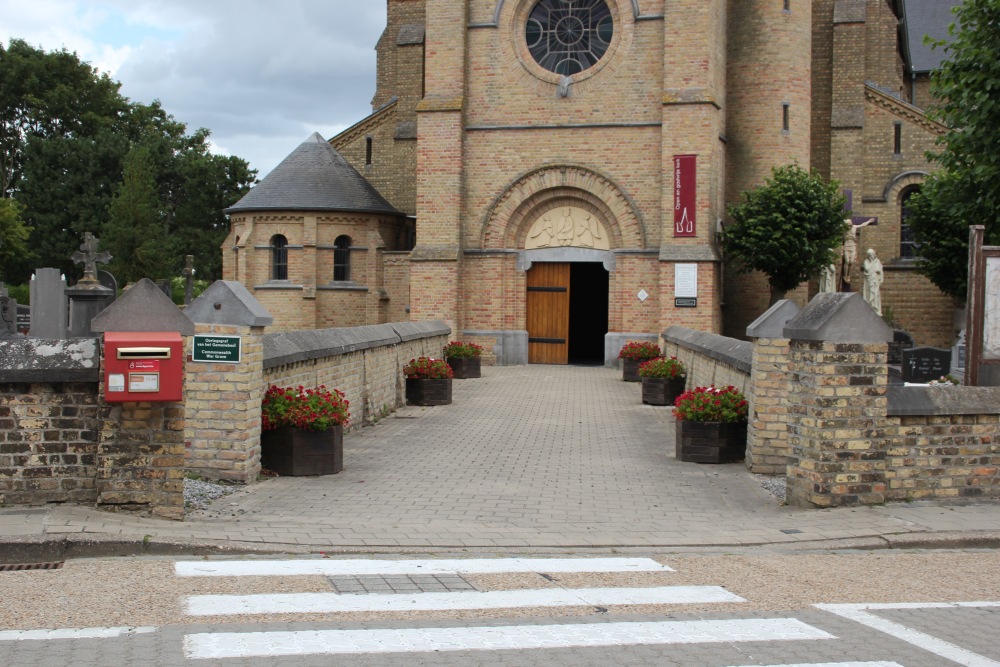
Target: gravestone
<point>164,286</point>
<point>109,281</point>
<point>88,297</point>
<point>923,364</point>
<point>48,304</point>
<point>958,356</point>
<point>901,340</point>
<point>23,319</point>
<point>8,313</point>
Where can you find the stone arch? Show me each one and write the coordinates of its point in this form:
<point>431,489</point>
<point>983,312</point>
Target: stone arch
<point>900,182</point>
<point>508,219</point>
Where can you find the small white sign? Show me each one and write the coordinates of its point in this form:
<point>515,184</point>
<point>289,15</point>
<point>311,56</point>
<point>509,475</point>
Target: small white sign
<point>643,295</point>
<point>143,382</point>
<point>116,382</point>
<point>686,280</point>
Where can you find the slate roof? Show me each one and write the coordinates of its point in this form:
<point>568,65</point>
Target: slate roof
<point>314,177</point>
<point>925,17</point>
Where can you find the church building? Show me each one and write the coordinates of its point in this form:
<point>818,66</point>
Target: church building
<point>549,176</point>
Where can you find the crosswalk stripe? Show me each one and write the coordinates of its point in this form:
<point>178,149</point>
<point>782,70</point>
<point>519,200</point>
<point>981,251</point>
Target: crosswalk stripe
<point>860,614</point>
<point>73,633</point>
<point>412,640</point>
<point>363,567</point>
<point>835,664</point>
<point>313,603</point>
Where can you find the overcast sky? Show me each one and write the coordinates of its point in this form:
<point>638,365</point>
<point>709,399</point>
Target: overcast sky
<point>262,76</point>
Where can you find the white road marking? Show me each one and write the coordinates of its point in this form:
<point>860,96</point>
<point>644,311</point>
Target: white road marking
<point>248,644</point>
<point>859,613</point>
<point>73,633</point>
<point>362,567</point>
<point>315,603</point>
<point>836,664</point>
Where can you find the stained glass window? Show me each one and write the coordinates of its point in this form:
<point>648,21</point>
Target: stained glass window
<point>569,36</point>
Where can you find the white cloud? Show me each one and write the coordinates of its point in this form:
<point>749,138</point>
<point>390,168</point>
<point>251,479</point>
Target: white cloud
<point>262,76</point>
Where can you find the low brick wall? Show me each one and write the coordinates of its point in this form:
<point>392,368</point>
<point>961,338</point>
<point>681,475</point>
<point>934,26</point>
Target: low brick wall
<point>944,442</point>
<point>711,359</point>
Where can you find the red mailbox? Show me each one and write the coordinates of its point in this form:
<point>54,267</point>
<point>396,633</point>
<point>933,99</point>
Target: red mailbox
<point>143,366</point>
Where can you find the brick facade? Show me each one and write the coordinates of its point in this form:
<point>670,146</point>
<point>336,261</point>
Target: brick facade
<point>477,141</point>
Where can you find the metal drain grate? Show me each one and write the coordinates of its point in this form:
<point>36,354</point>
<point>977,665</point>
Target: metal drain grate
<point>20,567</point>
<point>400,583</point>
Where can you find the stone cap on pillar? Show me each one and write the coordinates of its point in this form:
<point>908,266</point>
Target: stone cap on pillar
<point>228,302</point>
<point>772,323</point>
<point>143,307</point>
<point>839,317</point>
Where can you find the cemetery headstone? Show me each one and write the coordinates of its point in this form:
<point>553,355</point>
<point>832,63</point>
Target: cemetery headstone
<point>958,355</point>
<point>109,281</point>
<point>923,364</point>
<point>48,304</point>
<point>164,286</point>
<point>901,340</point>
<point>23,319</point>
<point>88,297</point>
<point>8,313</point>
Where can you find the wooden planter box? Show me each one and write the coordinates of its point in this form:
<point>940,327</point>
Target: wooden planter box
<point>292,452</point>
<point>421,391</point>
<point>711,442</point>
<point>630,369</point>
<point>466,367</point>
<point>662,391</point>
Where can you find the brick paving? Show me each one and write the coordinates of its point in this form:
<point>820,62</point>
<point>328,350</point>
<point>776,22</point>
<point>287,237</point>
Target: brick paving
<point>525,457</point>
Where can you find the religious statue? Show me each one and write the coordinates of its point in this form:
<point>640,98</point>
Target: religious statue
<point>89,257</point>
<point>850,256</point>
<point>828,278</point>
<point>872,269</point>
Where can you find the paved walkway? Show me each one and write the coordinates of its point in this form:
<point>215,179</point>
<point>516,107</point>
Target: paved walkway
<point>547,457</point>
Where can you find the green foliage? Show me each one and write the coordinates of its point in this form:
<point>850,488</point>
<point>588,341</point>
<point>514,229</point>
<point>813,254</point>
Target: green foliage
<point>135,234</point>
<point>967,190</point>
<point>177,289</point>
<point>787,228</point>
<point>65,135</point>
<point>459,350</point>
<point>20,293</point>
<point>13,234</point>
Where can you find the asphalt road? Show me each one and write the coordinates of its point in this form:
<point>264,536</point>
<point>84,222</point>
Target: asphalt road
<point>759,607</point>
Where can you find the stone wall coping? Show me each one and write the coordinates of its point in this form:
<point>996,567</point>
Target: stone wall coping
<point>50,360</point>
<point>143,307</point>
<point>772,323</point>
<point>289,347</point>
<point>228,302</point>
<point>916,401</point>
<point>736,353</point>
<point>838,317</point>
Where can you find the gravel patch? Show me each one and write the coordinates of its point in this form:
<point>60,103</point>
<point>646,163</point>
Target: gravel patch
<point>199,494</point>
<point>775,485</point>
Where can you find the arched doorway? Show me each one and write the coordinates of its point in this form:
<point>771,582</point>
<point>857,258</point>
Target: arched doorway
<point>567,312</point>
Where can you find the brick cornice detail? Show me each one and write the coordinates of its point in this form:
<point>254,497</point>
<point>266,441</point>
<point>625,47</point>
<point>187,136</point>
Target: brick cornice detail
<point>430,104</point>
<point>903,109</point>
<point>365,126</point>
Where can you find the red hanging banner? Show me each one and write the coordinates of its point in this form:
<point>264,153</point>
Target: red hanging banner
<point>685,194</point>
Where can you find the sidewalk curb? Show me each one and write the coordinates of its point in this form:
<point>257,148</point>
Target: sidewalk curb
<point>44,549</point>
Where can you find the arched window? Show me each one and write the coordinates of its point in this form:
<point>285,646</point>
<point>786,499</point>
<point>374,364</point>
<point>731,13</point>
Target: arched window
<point>908,248</point>
<point>279,257</point>
<point>342,259</point>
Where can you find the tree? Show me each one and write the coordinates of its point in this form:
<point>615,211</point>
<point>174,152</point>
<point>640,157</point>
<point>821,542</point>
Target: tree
<point>65,134</point>
<point>967,189</point>
<point>13,234</point>
<point>787,228</point>
<point>135,234</point>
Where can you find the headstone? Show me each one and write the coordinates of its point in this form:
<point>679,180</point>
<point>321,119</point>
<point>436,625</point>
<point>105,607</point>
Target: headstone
<point>109,281</point>
<point>958,356</point>
<point>89,256</point>
<point>23,319</point>
<point>923,364</point>
<point>901,340</point>
<point>164,286</point>
<point>48,304</point>
<point>88,297</point>
<point>8,313</point>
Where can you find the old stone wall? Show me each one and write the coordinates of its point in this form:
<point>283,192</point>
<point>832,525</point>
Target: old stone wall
<point>710,359</point>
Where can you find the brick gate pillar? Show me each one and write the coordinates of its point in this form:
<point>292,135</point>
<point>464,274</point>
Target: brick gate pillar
<point>767,427</point>
<point>838,370</point>
<point>223,397</point>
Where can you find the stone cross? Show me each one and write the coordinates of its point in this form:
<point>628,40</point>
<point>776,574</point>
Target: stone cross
<point>89,257</point>
<point>188,273</point>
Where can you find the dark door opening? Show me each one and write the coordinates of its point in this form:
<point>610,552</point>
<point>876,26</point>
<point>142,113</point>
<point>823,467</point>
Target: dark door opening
<point>588,312</point>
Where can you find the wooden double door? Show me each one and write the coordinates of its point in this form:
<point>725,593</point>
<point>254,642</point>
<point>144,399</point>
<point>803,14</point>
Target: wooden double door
<point>567,312</point>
